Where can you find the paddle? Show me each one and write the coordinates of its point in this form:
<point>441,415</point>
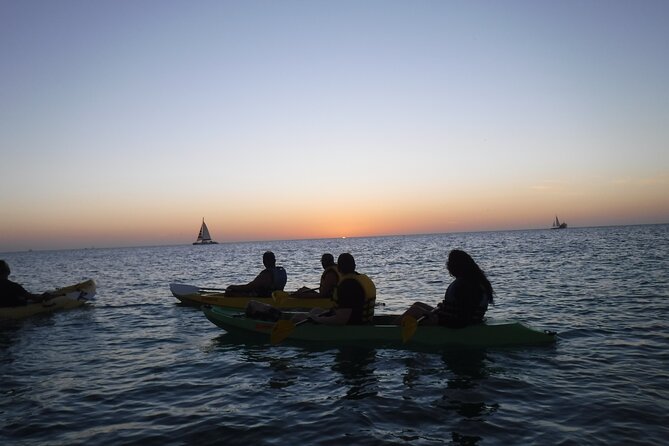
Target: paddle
<point>183,290</point>
<point>49,296</point>
<point>283,328</point>
<point>410,324</point>
<point>280,296</point>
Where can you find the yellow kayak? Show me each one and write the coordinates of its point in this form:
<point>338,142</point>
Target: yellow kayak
<point>196,296</point>
<point>66,298</point>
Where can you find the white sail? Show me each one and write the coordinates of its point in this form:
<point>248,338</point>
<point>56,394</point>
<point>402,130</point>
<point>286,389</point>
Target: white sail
<point>203,238</point>
<point>204,232</point>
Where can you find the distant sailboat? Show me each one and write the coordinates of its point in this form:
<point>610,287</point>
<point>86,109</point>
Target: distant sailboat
<point>203,238</point>
<point>558,225</point>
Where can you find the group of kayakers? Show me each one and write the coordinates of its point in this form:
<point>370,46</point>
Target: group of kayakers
<point>354,294</point>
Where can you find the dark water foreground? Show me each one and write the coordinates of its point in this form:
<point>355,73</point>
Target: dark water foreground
<point>137,368</point>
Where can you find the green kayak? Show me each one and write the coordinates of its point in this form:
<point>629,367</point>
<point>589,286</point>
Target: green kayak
<point>385,332</point>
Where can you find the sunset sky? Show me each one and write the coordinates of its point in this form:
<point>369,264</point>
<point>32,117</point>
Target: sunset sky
<point>126,122</point>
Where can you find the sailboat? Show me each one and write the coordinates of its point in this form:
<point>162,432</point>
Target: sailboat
<point>558,225</point>
<point>203,238</point>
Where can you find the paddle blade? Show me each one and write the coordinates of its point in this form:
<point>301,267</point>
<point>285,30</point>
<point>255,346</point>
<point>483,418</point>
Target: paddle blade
<point>280,296</point>
<point>409,325</point>
<point>281,330</point>
<point>181,289</point>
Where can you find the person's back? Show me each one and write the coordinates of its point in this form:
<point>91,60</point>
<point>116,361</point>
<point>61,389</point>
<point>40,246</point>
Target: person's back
<point>465,303</point>
<point>11,294</point>
<point>279,278</point>
<point>354,291</point>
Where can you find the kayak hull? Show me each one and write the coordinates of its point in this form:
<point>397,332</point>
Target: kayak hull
<point>218,298</point>
<point>69,297</point>
<point>387,332</point>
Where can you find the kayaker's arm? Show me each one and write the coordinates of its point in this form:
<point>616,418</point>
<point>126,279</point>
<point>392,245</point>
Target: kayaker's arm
<point>262,281</point>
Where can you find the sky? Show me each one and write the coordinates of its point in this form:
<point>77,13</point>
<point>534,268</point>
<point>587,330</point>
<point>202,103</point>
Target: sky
<point>125,122</point>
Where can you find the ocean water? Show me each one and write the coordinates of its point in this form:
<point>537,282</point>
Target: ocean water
<point>136,367</point>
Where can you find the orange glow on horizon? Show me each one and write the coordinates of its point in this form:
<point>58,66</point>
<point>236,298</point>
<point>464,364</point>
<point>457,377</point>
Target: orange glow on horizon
<point>138,222</point>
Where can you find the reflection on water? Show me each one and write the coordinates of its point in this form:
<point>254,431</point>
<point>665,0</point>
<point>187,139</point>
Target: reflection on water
<point>463,400</point>
<point>463,395</point>
<point>356,366</point>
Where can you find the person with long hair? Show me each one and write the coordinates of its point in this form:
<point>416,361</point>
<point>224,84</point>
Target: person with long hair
<point>467,297</point>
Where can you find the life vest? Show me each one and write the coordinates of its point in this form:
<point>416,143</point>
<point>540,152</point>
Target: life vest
<point>369,293</point>
<point>279,277</point>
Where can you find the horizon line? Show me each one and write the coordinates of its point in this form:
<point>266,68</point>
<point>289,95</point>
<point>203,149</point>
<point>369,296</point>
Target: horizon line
<point>229,242</point>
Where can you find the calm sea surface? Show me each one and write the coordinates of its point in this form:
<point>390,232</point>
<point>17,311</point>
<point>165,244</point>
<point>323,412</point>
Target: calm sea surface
<point>138,368</point>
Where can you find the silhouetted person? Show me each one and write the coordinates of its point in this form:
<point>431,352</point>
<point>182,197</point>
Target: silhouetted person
<point>466,299</point>
<point>14,295</point>
<point>270,279</point>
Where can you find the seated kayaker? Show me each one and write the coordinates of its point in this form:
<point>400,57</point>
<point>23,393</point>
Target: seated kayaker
<point>14,295</point>
<point>272,278</point>
<point>466,299</point>
<point>354,298</point>
<point>329,280</point>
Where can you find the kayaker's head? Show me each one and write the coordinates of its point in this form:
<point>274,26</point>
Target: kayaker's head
<point>460,264</point>
<point>327,260</point>
<point>346,263</point>
<point>4,269</point>
<point>269,260</point>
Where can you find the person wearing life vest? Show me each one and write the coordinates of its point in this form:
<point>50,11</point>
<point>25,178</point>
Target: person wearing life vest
<point>354,298</point>
<point>466,299</point>
<point>272,278</point>
<point>329,280</point>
